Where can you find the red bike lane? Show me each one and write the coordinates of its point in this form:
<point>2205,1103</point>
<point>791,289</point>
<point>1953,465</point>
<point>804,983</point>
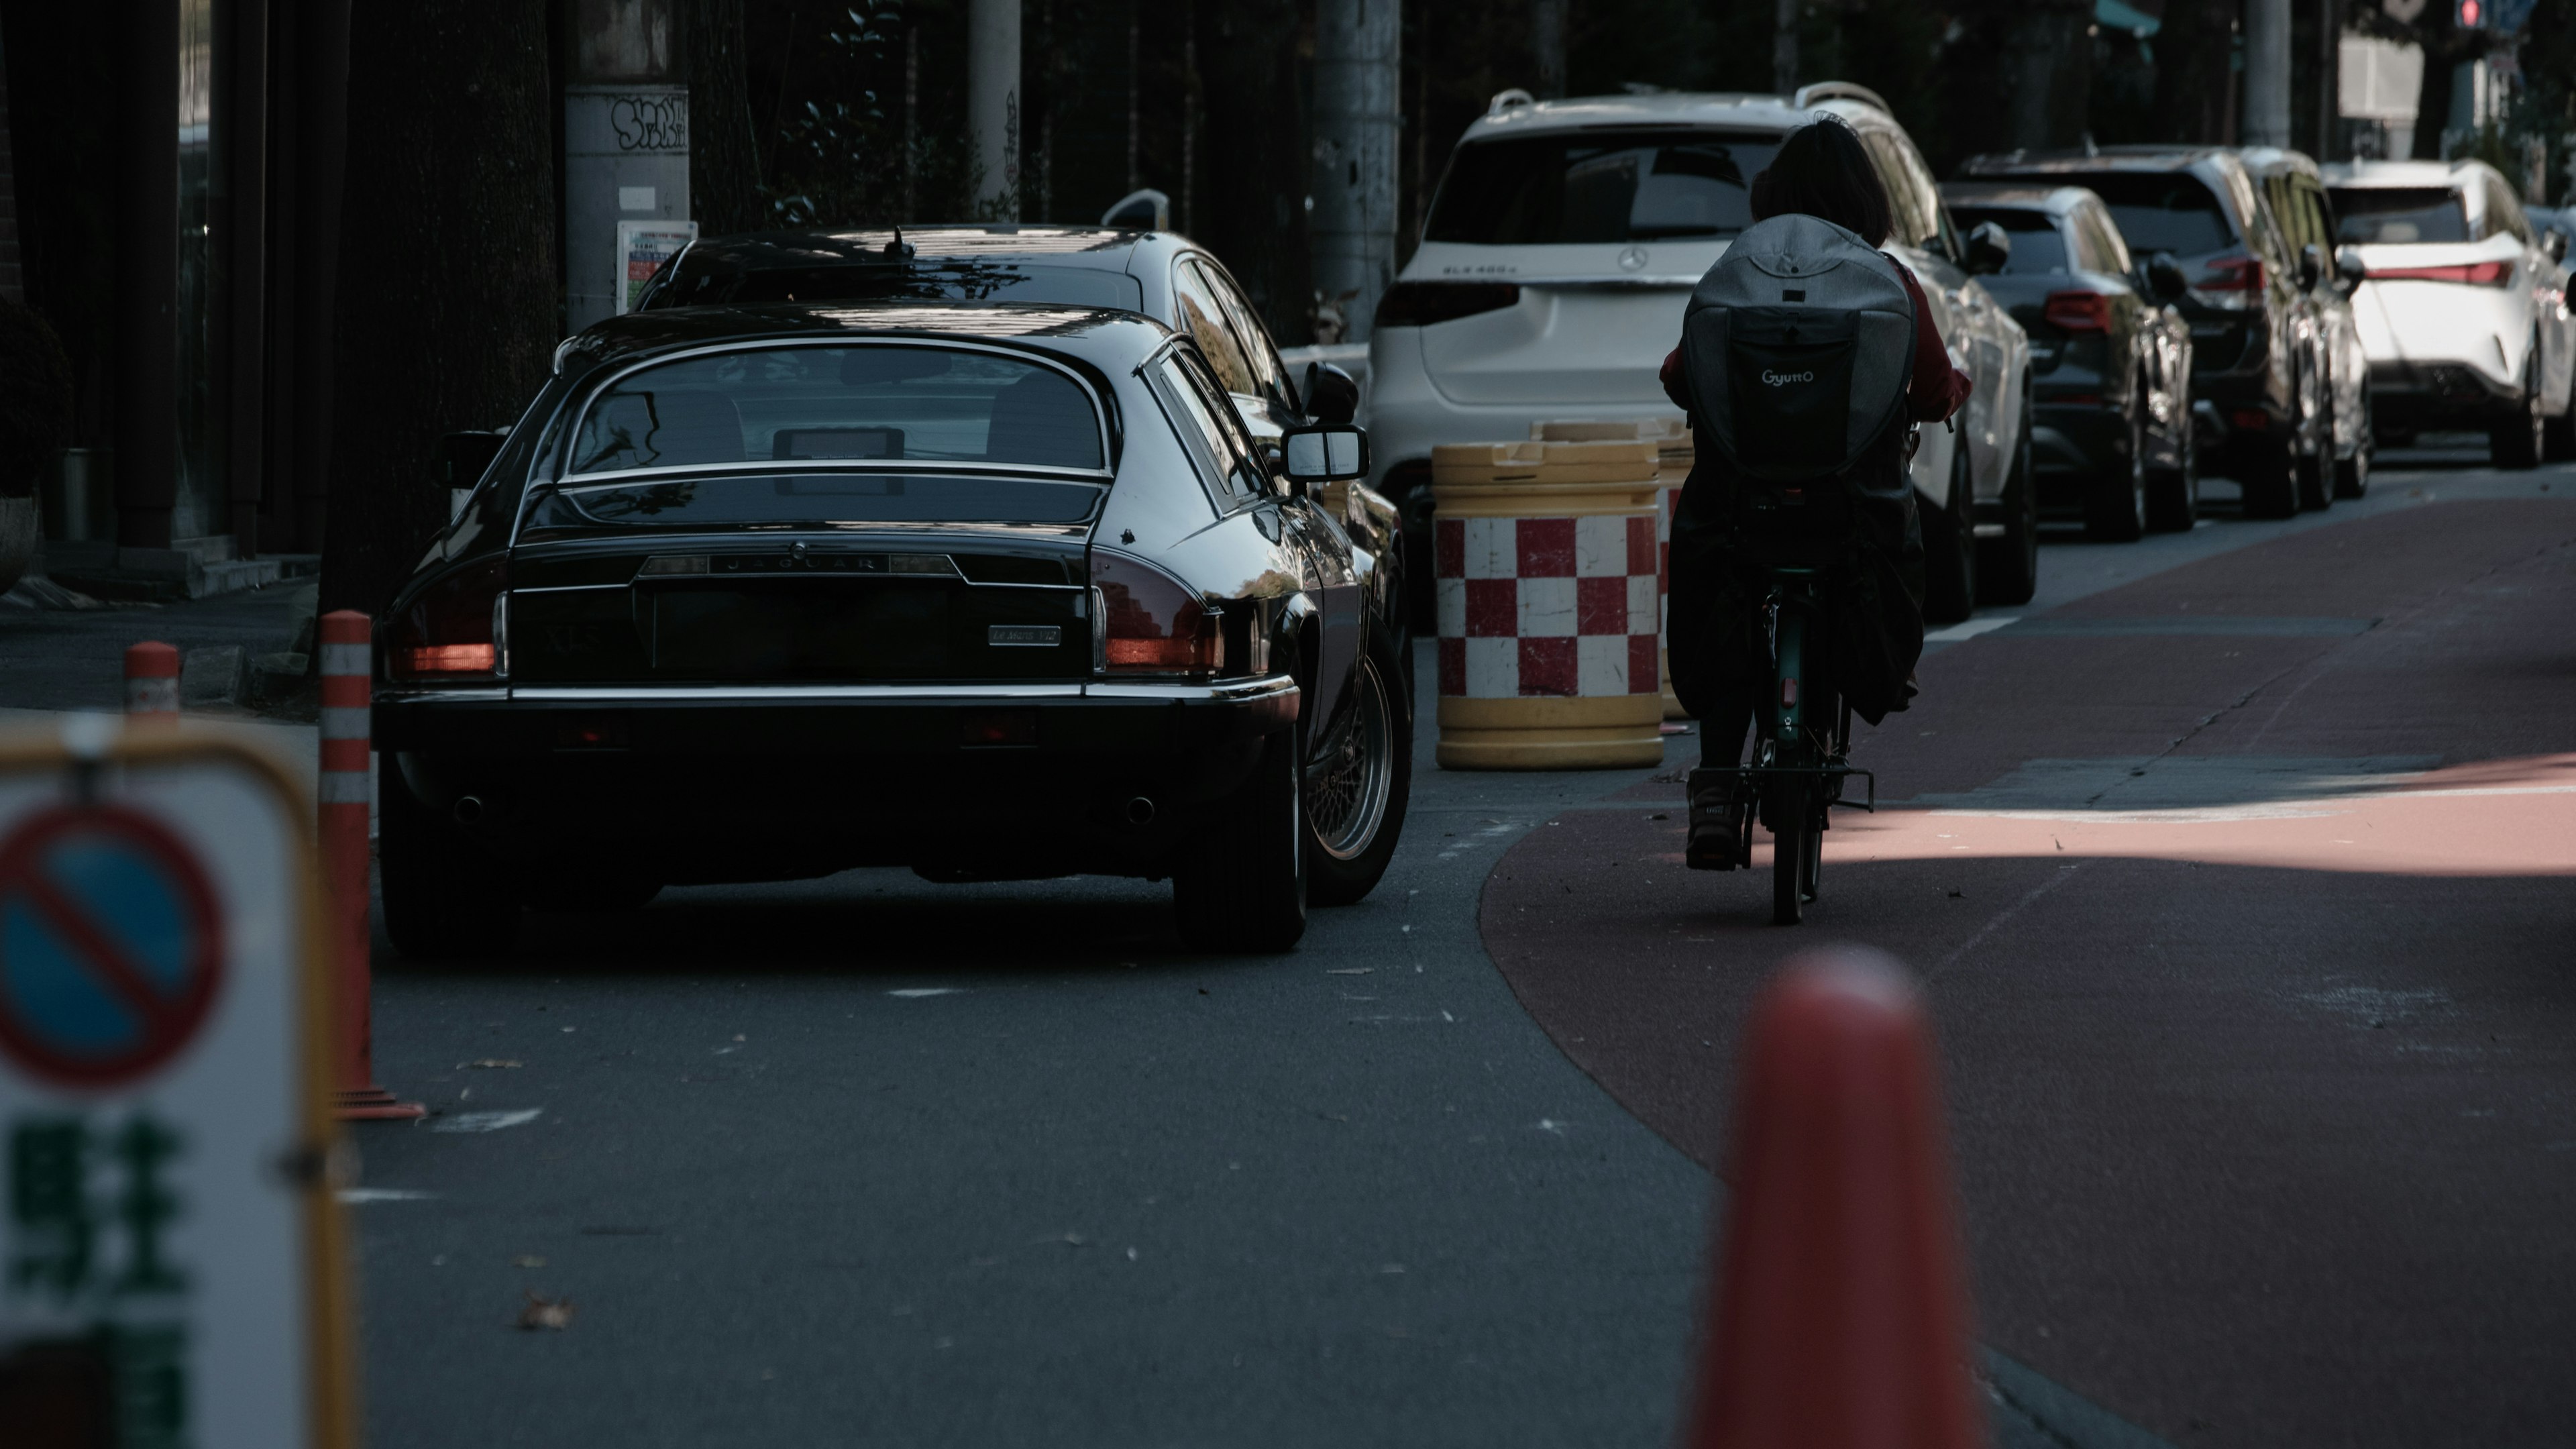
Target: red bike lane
<point>2244,894</point>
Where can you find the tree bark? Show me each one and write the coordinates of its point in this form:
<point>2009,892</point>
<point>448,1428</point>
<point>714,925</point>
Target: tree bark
<point>447,309</point>
<point>724,158</point>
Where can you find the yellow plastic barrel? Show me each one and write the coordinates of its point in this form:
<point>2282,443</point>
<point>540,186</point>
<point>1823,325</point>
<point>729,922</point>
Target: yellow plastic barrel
<point>1674,455</point>
<point>1544,565</point>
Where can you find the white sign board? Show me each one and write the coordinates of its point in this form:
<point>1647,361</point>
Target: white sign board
<point>169,1249</point>
<point>642,248</point>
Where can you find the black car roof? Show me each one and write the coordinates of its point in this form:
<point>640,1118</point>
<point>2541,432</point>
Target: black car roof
<point>1083,246</point>
<point>2018,196</point>
<point>2105,158</point>
<point>1102,335</point>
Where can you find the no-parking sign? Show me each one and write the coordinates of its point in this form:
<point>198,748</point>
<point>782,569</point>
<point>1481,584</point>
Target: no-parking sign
<point>169,1249</point>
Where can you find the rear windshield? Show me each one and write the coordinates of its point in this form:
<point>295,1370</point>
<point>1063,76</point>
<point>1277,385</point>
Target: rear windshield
<point>1624,186</point>
<point>2370,215</point>
<point>922,281</point>
<point>872,403</point>
<point>815,497</point>
<point>2162,213</point>
<point>2036,246</point>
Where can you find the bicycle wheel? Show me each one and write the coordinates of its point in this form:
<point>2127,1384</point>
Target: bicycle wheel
<point>1791,828</point>
<point>1811,861</point>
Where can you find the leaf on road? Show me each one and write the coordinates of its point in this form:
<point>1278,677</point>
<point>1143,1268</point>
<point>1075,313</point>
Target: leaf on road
<point>527,1260</point>
<point>555,1313</point>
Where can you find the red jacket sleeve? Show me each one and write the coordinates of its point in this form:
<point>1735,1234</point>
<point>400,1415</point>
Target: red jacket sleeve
<point>1671,377</point>
<point>1938,388</point>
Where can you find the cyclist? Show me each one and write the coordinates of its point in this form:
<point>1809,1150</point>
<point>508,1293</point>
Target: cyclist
<point>1821,170</point>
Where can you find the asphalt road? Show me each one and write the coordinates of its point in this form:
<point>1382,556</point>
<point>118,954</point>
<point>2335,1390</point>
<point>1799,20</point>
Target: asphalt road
<point>2260,1143</point>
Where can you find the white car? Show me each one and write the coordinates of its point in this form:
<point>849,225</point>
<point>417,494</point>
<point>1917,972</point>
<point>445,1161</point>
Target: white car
<point>2462,305</point>
<point>1561,246</point>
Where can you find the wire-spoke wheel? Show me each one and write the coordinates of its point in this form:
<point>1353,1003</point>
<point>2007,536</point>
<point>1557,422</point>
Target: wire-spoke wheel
<point>1356,783</point>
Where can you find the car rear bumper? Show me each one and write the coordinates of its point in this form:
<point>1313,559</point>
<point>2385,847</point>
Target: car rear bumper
<point>2416,393</point>
<point>780,782</point>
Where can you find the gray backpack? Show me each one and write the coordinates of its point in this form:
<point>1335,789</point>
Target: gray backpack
<point>1798,347</point>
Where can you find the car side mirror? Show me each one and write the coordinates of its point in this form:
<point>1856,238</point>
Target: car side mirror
<point>1989,249</point>
<point>1332,395</point>
<point>2165,277</point>
<point>2312,266</point>
<point>459,460</point>
<point>2554,242</point>
<point>2348,265</point>
<point>1325,453</point>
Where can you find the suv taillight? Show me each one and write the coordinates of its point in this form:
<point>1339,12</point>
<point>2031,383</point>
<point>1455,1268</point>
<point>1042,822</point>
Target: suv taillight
<point>2475,274</point>
<point>2233,282</point>
<point>1148,623</point>
<point>458,627</point>
<point>1420,304</point>
<point>2077,312</point>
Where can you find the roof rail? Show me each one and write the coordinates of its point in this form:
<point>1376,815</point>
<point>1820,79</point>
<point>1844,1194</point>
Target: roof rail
<point>1838,91</point>
<point>1505,100</point>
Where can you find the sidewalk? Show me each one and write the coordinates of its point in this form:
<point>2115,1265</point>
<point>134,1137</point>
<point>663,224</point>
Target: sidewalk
<point>57,659</point>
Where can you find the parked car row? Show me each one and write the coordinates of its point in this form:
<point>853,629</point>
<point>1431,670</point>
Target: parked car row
<point>1004,551</point>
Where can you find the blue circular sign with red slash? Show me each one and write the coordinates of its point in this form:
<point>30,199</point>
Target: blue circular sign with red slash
<point>111,946</point>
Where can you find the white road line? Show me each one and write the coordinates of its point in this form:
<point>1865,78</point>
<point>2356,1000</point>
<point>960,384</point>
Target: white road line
<point>485,1121</point>
<point>1969,630</point>
<point>915,993</point>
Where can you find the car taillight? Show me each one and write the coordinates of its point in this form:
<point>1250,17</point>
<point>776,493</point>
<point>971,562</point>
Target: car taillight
<point>2077,312</point>
<point>1419,304</point>
<point>1149,623</point>
<point>2235,283</point>
<point>458,626</point>
<point>2475,274</point>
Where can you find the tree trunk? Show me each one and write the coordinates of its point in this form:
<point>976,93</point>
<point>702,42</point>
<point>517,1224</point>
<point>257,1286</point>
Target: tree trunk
<point>447,311</point>
<point>724,159</point>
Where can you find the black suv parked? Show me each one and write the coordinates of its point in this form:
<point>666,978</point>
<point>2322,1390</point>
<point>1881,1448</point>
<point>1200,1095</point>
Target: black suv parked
<point>2256,407</point>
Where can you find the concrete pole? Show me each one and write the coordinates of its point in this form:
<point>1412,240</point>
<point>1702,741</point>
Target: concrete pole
<point>146,192</point>
<point>1352,230</point>
<point>993,105</point>
<point>1784,47</point>
<point>2267,72</point>
<point>1547,47</point>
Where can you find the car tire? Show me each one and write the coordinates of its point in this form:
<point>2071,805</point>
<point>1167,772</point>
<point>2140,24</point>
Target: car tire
<point>2115,499</point>
<point>2270,480</point>
<point>2008,567</point>
<point>1241,887</point>
<point>2173,494</point>
<point>2515,442</point>
<point>2558,434</point>
<point>1356,783</point>
<point>1950,549</point>
<point>2352,475</point>
<point>444,898</point>
<point>2316,480</point>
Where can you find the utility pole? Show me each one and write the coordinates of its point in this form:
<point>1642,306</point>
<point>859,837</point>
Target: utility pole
<point>2267,72</point>
<point>993,105</point>
<point>1353,229</point>
<point>1784,47</point>
<point>1547,46</point>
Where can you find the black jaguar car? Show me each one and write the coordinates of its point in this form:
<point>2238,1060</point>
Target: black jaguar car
<point>992,591</point>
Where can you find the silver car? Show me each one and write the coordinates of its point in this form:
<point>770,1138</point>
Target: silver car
<point>2462,305</point>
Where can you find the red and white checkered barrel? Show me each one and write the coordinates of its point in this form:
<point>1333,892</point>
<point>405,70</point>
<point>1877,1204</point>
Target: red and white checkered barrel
<point>1544,560</point>
<point>1675,453</point>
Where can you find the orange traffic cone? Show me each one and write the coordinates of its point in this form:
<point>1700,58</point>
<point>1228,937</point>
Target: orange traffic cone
<point>1840,1318</point>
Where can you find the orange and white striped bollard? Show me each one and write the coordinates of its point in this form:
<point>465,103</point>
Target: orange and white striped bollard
<point>151,683</point>
<point>346,771</point>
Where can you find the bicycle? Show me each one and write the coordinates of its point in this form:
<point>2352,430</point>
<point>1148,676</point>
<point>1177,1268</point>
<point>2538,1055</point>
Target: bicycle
<point>1798,771</point>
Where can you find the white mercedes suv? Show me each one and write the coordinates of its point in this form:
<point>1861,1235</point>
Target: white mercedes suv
<point>1561,246</point>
